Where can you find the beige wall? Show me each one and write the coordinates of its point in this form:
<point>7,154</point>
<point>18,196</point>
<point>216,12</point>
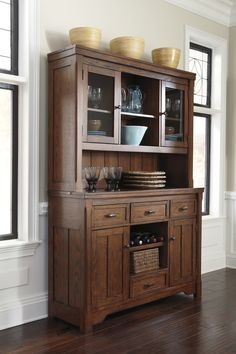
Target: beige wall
<point>231,113</point>
<point>159,23</point>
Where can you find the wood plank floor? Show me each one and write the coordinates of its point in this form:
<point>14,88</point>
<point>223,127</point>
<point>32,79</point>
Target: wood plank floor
<point>179,324</point>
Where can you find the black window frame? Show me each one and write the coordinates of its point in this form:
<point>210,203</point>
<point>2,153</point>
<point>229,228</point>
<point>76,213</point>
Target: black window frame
<point>8,86</point>
<point>207,51</point>
<point>14,38</point>
<point>14,89</point>
<point>207,162</point>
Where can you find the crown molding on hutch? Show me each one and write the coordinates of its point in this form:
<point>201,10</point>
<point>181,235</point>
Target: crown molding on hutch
<point>221,11</point>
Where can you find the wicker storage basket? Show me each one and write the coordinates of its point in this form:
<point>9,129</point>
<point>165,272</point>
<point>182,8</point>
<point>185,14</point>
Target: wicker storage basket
<point>145,260</point>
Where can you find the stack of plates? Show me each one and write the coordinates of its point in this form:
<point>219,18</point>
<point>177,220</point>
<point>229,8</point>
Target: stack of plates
<point>144,180</point>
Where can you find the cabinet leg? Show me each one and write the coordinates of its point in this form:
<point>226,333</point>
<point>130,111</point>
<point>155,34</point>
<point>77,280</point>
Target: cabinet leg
<point>198,291</point>
<point>86,326</point>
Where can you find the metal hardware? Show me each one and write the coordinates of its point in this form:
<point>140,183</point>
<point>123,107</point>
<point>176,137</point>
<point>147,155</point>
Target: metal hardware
<point>149,212</point>
<point>146,286</point>
<point>173,238</point>
<point>111,215</point>
<point>163,113</point>
<point>118,107</point>
<point>183,208</point>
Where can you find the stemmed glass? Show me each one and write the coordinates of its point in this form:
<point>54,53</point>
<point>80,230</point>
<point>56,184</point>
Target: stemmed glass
<point>112,176</point>
<point>117,178</point>
<point>97,97</point>
<point>92,175</point>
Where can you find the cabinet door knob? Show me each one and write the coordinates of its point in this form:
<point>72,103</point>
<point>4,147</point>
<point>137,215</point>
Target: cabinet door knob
<point>163,113</point>
<point>173,238</point>
<point>149,212</point>
<point>118,107</point>
<point>184,208</point>
<point>111,215</point>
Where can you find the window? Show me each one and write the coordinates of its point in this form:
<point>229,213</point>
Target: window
<point>200,62</point>
<point>8,119</point>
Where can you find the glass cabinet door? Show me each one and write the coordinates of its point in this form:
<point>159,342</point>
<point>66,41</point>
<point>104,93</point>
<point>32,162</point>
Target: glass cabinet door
<point>101,105</point>
<point>174,115</point>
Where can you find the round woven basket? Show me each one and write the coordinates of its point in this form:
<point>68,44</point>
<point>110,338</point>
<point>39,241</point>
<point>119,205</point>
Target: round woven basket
<point>86,36</point>
<point>166,57</point>
<point>132,47</point>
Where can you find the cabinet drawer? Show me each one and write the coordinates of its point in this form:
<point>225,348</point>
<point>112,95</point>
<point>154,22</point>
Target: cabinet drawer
<point>149,211</point>
<point>183,207</point>
<point>110,215</point>
<point>146,284</point>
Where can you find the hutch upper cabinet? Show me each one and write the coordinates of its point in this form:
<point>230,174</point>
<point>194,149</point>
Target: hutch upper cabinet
<point>92,95</point>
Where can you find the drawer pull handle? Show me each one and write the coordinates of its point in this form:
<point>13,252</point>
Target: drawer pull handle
<point>173,238</point>
<point>111,215</point>
<point>148,285</point>
<point>183,208</point>
<point>150,212</point>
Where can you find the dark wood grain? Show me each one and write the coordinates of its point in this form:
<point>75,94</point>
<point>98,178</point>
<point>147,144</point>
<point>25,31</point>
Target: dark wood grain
<point>178,324</point>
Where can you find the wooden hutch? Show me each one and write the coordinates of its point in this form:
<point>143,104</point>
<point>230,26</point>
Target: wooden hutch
<point>89,233</point>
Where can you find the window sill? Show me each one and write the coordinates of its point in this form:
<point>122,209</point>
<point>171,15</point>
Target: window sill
<point>16,249</point>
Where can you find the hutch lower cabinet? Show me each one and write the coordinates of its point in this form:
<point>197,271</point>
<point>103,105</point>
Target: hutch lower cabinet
<point>89,263</point>
<point>94,268</point>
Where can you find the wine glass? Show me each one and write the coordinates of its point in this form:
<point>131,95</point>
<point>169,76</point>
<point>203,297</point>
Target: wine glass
<point>92,175</point>
<point>97,97</point>
<point>117,177</point>
<point>108,175</point>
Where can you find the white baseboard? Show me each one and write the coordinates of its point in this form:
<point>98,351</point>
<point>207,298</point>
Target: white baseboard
<point>231,261</point>
<point>209,265</point>
<point>24,310</point>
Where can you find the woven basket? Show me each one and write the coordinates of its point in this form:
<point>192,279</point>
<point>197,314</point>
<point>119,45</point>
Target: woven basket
<point>145,260</point>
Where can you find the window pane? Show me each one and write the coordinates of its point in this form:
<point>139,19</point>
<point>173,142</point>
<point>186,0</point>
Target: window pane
<point>6,161</point>
<point>5,16</point>
<point>200,64</point>
<point>201,157</point>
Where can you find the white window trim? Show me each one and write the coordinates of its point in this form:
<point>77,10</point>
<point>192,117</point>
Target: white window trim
<point>28,136</point>
<point>218,113</point>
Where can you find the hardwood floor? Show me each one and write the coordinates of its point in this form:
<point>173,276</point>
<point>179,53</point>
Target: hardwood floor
<point>179,324</point>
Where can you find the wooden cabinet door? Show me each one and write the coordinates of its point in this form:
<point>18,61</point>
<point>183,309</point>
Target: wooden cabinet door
<point>174,114</point>
<point>110,267</point>
<point>101,104</point>
<point>182,250</point>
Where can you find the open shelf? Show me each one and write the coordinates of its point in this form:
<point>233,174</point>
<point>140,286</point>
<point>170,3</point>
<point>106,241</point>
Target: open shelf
<point>141,115</point>
<point>98,110</point>
<point>133,148</point>
<point>146,247</point>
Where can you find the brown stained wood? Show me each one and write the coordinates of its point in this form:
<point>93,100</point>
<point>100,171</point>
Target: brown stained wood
<point>75,282</point>
<point>135,162</point>
<point>182,251</point>
<point>147,212</point>
<point>89,233</point>
<point>124,160</point>
<point>149,162</point>
<point>180,208</point>
<point>109,276</point>
<point>62,126</point>
<point>144,284</point>
<point>60,265</point>
<point>110,215</point>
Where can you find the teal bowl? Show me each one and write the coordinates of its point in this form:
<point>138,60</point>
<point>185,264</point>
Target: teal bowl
<point>132,134</point>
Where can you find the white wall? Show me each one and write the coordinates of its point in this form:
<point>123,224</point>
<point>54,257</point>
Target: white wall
<point>231,154</point>
<point>160,24</point>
